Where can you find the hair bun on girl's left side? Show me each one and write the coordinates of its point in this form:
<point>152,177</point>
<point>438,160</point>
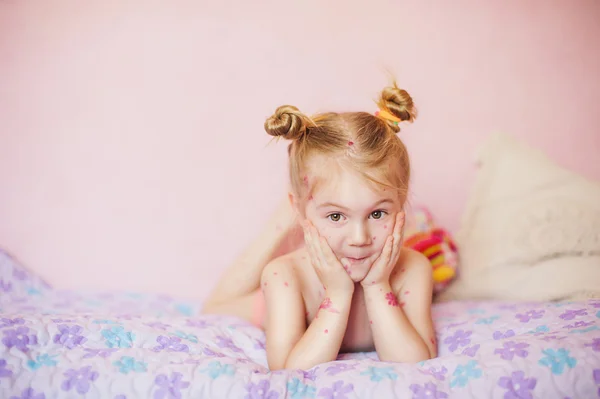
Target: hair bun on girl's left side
<point>287,122</point>
<point>398,102</point>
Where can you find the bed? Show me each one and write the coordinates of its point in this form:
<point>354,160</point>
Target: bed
<point>127,345</point>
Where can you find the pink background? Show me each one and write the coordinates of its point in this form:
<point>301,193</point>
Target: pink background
<point>132,154</point>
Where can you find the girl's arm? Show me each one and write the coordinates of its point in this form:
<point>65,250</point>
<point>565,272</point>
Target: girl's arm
<point>401,322</point>
<point>289,344</point>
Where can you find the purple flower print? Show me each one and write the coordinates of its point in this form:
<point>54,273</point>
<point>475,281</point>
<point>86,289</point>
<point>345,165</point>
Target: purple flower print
<point>260,391</point>
<point>169,388</point>
<point>579,324</point>
<point>595,345</point>
<point>4,322</point>
<point>500,335</point>
<point>19,338</point>
<point>596,374</point>
<point>196,323</point>
<point>517,386</point>
<point>4,372</point>
<point>224,342</point>
<point>339,367</point>
<point>79,379</point>
<point>210,352</point>
<point>19,274</point>
<point>310,375</point>
<point>6,287</point>
<point>29,393</point>
<point>337,391</point>
<point>171,344</point>
<point>471,351</point>
<point>258,344</point>
<point>427,391</point>
<point>104,353</point>
<point>571,314</point>
<point>512,349</point>
<point>532,314</point>
<point>460,338</point>
<point>69,336</point>
<point>438,375</point>
<point>595,304</point>
<point>158,325</point>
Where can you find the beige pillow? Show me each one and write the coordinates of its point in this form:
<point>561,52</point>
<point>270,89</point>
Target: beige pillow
<point>531,229</point>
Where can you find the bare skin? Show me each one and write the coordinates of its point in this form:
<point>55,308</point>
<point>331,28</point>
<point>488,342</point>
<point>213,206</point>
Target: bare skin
<point>316,309</point>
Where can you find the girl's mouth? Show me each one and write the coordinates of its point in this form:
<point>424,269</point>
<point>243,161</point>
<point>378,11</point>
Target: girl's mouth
<point>356,260</point>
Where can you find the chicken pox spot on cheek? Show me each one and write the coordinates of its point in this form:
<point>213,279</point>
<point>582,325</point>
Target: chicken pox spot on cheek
<point>385,226</point>
<point>374,238</point>
<point>326,331</point>
<point>286,284</point>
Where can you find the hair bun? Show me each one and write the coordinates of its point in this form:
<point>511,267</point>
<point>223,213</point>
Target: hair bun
<point>399,103</point>
<point>287,121</point>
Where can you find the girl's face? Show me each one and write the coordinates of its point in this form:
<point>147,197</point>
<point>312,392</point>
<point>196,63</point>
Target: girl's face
<point>354,218</point>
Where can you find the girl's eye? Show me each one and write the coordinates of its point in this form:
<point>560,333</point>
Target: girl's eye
<point>377,214</point>
<point>335,217</point>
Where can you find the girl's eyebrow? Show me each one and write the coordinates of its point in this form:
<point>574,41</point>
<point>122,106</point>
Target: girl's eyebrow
<point>332,204</point>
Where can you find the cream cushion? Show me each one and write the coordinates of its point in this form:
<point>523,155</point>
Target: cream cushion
<point>530,231</point>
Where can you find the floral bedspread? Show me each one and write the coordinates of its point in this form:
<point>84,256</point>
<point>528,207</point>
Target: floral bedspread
<point>127,345</point>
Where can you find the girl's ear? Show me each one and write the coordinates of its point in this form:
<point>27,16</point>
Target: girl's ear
<point>295,205</point>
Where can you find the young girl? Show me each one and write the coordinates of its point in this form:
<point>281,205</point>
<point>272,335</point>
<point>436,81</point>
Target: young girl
<point>351,286</point>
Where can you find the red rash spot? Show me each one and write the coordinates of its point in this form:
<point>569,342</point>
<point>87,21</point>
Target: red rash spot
<point>310,198</point>
<point>432,340</point>
<point>286,284</point>
<point>374,238</point>
<point>265,284</point>
<point>371,321</point>
<point>385,226</point>
<point>275,273</point>
<point>373,282</point>
<point>326,331</point>
<point>351,143</point>
<point>391,298</point>
<point>406,292</point>
<point>403,270</point>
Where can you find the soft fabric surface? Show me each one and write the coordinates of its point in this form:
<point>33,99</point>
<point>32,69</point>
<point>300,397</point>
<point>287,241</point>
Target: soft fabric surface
<point>65,344</point>
<point>531,230</point>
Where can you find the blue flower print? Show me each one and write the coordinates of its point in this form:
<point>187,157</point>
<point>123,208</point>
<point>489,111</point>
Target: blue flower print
<point>127,364</point>
<point>475,311</point>
<point>184,309</point>
<point>379,373</point>
<point>216,369</point>
<point>117,337</point>
<point>462,374</point>
<point>42,360</point>
<point>557,360</point>
<point>299,390</point>
<point>540,330</point>
<point>187,337</point>
<point>488,320</point>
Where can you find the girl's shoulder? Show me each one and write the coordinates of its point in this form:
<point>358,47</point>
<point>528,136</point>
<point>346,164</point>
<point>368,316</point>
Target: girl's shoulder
<point>410,264</point>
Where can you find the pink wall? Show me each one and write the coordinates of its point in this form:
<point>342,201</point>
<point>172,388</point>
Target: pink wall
<point>132,154</point>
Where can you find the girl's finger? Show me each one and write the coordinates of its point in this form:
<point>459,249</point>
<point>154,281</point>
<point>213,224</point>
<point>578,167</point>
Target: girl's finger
<point>327,252</point>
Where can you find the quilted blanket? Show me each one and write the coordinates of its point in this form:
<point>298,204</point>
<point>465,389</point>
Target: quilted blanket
<point>66,344</point>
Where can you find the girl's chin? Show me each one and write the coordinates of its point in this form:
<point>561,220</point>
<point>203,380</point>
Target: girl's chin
<point>358,275</point>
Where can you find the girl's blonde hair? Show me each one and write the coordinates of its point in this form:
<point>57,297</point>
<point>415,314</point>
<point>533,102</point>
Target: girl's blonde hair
<point>363,142</point>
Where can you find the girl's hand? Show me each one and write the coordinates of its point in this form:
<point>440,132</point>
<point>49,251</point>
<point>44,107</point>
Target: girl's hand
<point>387,259</point>
<point>329,269</point>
